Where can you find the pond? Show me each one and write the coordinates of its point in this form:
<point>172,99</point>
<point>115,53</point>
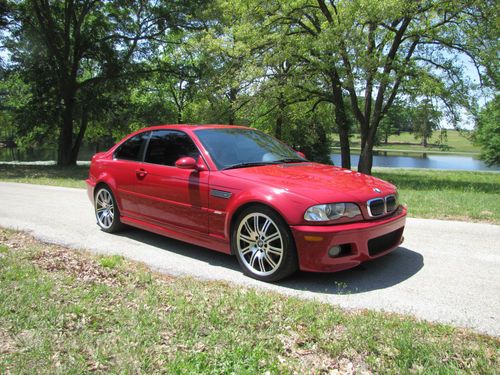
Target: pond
<point>424,160</point>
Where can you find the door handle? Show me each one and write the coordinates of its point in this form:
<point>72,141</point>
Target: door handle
<point>141,173</point>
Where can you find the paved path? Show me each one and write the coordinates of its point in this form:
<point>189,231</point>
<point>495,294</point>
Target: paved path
<point>445,271</point>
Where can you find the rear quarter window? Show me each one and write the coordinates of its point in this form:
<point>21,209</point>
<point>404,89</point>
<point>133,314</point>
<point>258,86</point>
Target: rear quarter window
<point>132,148</point>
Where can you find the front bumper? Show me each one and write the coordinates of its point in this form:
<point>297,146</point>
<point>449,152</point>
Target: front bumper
<point>313,242</point>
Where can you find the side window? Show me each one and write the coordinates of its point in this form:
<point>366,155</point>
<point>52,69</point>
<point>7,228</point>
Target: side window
<point>167,146</point>
<point>133,148</point>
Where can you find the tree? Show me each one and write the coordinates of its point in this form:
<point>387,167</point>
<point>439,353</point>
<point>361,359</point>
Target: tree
<point>487,132</point>
<point>70,50</point>
<point>425,121</point>
<point>398,119</point>
<point>373,52</point>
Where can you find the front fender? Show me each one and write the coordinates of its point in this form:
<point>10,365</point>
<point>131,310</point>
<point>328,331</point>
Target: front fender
<point>288,205</point>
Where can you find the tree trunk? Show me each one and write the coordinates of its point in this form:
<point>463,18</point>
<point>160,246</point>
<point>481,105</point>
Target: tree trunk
<point>343,128</point>
<point>366,158</point>
<point>78,141</point>
<point>65,144</point>
<point>278,131</point>
<point>341,121</point>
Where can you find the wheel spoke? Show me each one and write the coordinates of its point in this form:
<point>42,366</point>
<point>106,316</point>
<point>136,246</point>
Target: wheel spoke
<point>261,264</point>
<point>272,237</point>
<point>246,238</point>
<point>274,250</point>
<point>252,259</point>
<point>265,227</point>
<point>249,229</point>
<point>246,250</point>
<point>269,260</point>
<point>256,223</point>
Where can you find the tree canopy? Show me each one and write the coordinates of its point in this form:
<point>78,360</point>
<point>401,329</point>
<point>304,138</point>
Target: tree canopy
<point>302,70</point>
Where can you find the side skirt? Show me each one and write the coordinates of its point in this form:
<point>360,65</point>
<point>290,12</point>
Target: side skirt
<point>200,239</point>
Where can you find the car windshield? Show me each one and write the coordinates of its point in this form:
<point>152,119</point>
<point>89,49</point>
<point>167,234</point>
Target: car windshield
<point>240,147</point>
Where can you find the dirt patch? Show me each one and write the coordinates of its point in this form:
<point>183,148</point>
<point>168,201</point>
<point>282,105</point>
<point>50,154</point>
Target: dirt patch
<point>313,360</point>
<point>7,343</point>
<point>54,259</point>
<point>16,240</point>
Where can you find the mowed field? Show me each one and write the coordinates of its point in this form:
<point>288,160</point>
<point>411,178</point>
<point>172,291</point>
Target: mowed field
<point>457,142</point>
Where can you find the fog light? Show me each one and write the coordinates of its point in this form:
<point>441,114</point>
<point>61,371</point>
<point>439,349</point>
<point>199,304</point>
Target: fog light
<point>334,251</point>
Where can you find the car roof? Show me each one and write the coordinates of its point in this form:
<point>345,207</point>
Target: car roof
<point>192,127</point>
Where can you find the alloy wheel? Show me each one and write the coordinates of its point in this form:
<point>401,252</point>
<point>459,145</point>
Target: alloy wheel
<point>260,244</point>
<point>104,208</point>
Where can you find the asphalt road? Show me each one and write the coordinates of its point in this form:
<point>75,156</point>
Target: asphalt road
<point>445,271</point>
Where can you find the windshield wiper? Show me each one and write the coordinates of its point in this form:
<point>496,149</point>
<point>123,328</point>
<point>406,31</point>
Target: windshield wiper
<point>251,164</point>
<point>290,160</point>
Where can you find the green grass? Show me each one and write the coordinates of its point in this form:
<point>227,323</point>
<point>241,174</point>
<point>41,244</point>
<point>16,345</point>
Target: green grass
<point>447,194</point>
<point>456,143</point>
<point>62,312</point>
<point>45,174</point>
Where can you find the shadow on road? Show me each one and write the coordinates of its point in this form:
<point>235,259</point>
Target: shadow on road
<point>381,273</point>
<point>203,254</point>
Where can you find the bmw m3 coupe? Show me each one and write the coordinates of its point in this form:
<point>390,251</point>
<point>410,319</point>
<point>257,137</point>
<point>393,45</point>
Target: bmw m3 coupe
<point>240,191</point>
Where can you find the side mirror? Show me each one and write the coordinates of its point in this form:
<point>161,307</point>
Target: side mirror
<point>301,154</point>
<point>186,163</point>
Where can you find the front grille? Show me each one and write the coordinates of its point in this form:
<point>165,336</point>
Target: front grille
<point>380,244</point>
<point>390,203</point>
<point>380,206</point>
<point>376,206</point>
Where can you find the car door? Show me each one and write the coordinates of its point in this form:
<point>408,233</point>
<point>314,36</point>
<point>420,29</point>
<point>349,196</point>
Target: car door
<point>176,198</point>
<point>126,164</point>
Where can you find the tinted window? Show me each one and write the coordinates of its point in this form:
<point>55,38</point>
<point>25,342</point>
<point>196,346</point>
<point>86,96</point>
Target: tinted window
<point>167,146</point>
<point>232,146</point>
<point>133,148</point>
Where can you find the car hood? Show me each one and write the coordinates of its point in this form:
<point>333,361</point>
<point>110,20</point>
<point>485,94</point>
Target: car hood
<point>319,182</point>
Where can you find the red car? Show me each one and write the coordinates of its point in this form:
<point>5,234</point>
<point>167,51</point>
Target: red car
<point>240,191</point>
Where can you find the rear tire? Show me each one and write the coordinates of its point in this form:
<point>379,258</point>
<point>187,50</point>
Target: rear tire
<point>263,244</point>
<point>106,211</point>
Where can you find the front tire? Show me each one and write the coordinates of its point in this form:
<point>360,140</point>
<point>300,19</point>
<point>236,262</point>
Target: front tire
<point>263,244</point>
<point>106,211</point>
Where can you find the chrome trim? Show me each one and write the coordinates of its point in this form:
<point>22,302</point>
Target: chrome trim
<point>384,199</point>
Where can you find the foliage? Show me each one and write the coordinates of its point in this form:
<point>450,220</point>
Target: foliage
<point>75,54</point>
<point>487,133</point>
<point>297,69</point>
<point>425,121</point>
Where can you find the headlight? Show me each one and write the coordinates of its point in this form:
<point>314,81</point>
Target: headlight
<point>332,211</point>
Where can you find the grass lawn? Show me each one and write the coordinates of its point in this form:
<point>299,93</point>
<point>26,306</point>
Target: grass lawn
<point>64,311</point>
<point>45,174</point>
<point>457,143</point>
<point>453,195</point>
<point>457,195</point>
